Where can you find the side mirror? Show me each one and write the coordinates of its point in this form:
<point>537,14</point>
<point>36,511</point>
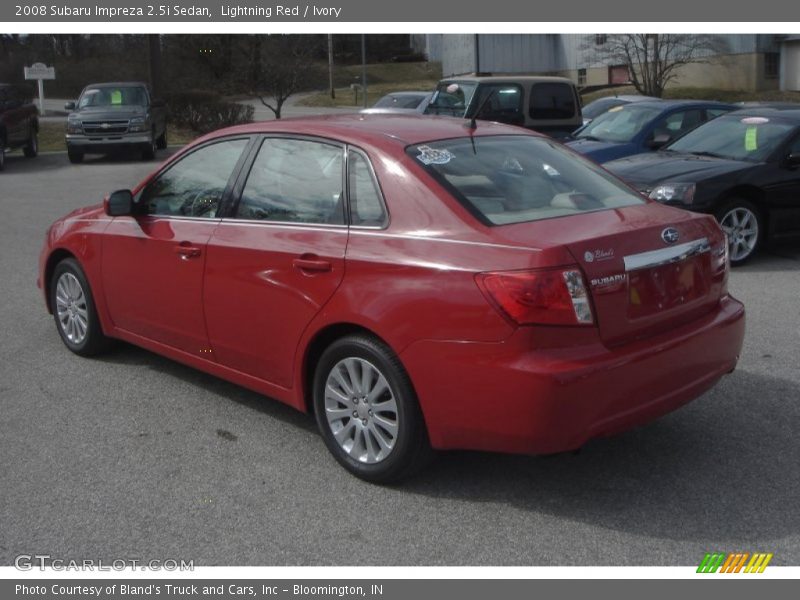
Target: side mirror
<point>69,106</point>
<point>119,203</point>
<point>793,160</point>
<point>659,140</point>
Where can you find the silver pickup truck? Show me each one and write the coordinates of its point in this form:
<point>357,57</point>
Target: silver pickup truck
<point>112,116</point>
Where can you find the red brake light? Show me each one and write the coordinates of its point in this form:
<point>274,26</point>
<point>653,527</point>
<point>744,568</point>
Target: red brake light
<point>546,297</point>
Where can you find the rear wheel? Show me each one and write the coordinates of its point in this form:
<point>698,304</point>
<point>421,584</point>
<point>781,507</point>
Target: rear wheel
<point>74,310</point>
<point>162,140</point>
<point>75,156</point>
<point>31,149</point>
<point>741,220</point>
<point>367,411</point>
<point>149,151</point>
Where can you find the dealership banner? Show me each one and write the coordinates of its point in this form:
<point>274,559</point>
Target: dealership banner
<point>408,11</point>
<point>390,589</point>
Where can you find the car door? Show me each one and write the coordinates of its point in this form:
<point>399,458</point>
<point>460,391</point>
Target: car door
<point>675,124</point>
<point>277,260</point>
<point>153,263</point>
<point>781,182</point>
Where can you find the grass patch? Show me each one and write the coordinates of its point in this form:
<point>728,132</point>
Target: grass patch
<point>382,78</point>
<point>51,136</point>
<point>693,93</point>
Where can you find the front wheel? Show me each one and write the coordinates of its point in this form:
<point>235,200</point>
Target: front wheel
<point>367,411</point>
<point>149,151</point>
<point>74,310</point>
<point>742,223</point>
<point>162,140</point>
<point>75,156</point>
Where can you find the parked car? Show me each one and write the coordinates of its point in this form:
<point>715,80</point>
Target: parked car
<point>400,102</point>
<point>112,116</point>
<point>477,288</point>
<point>642,127</point>
<point>743,168</point>
<point>597,107</point>
<point>549,105</point>
<point>19,122</point>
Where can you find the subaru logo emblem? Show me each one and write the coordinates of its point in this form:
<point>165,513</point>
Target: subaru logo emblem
<point>670,235</point>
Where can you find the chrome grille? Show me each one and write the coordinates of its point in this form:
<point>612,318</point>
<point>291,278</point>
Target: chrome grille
<point>110,127</point>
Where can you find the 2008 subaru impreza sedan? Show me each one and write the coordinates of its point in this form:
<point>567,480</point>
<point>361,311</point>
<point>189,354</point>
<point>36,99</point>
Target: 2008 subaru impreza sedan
<point>417,283</point>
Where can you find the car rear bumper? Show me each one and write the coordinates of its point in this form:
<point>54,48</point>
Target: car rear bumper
<point>511,397</point>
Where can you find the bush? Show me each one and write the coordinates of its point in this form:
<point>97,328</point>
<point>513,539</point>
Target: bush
<point>203,111</point>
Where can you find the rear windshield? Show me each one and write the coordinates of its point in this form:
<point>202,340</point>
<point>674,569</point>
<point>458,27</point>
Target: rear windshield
<point>517,178</point>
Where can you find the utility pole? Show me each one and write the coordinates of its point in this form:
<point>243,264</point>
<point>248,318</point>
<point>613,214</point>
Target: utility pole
<point>330,66</point>
<point>364,67</point>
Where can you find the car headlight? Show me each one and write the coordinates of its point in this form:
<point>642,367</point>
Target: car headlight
<point>74,126</point>
<point>673,192</point>
<point>138,124</point>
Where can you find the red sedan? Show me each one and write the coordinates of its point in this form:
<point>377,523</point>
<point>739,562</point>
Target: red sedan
<point>414,282</point>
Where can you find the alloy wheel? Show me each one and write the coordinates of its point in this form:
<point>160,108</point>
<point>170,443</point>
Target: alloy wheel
<point>361,410</point>
<point>741,226</point>
<point>71,308</point>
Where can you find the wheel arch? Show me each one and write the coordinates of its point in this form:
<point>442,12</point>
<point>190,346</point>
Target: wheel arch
<point>56,256</point>
<point>317,345</point>
<point>752,194</point>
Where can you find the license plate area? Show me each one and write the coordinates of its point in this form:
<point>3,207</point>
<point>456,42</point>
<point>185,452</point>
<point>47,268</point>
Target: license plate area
<point>667,287</point>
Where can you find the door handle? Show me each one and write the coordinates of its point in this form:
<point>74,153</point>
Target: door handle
<point>187,251</point>
<point>312,264</point>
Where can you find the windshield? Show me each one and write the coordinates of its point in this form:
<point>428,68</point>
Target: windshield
<point>400,101</point>
<point>735,137</point>
<point>113,96</point>
<point>598,107</point>
<point>451,99</point>
<point>517,178</point>
<point>620,124</point>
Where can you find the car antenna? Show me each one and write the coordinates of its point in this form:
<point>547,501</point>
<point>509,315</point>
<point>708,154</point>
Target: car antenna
<point>473,121</point>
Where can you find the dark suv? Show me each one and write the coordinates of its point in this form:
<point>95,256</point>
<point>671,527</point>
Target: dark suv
<point>113,116</point>
<point>19,122</point>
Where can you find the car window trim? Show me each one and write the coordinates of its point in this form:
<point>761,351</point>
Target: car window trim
<point>244,173</point>
<point>381,198</point>
<point>178,159</point>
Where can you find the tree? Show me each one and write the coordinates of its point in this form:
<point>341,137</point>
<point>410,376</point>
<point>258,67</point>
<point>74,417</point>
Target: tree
<point>286,66</point>
<point>653,59</point>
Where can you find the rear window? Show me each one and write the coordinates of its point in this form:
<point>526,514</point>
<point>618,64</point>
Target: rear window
<point>552,101</point>
<point>512,179</point>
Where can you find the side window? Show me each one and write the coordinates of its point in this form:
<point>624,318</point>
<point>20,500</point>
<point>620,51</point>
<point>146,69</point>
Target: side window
<point>679,123</point>
<point>297,181</point>
<point>713,113</point>
<point>552,101</point>
<point>366,208</point>
<point>194,185</point>
<point>504,103</point>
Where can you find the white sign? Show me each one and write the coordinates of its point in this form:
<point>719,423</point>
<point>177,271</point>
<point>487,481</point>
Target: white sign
<point>40,71</point>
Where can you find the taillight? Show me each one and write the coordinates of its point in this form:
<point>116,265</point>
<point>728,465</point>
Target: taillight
<point>546,297</point>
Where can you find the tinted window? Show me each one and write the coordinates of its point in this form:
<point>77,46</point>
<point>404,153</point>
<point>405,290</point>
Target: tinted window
<point>298,181</point>
<point>552,101</point>
<point>679,123</point>
<point>736,137</point>
<point>498,102</point>
<point>193,186</point>
<point>511,179</point>
<point>366,208</point>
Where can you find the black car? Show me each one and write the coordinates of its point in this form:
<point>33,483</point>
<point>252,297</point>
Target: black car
<point>743,167</point>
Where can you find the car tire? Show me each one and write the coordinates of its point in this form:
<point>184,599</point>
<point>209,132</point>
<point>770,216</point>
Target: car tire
<point>74,310</point>
<point>161,144</point>
<point>744,225</point>
<point>75,156</point>
<point>353,376</point>
<point>31,149</point>
<point>149,151</point>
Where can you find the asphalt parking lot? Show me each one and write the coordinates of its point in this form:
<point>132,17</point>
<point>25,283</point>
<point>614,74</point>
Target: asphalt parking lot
<point>134,456</point>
